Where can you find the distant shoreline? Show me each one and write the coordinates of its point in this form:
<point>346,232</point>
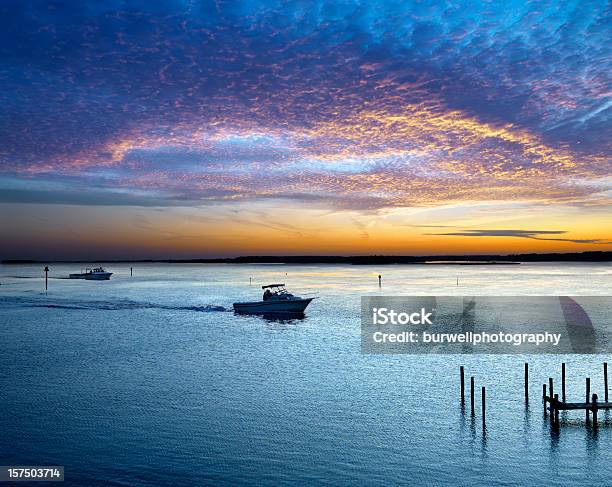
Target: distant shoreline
<point>358,260</point>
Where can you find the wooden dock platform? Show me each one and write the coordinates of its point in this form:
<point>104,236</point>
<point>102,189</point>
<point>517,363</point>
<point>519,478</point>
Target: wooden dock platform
<point>555,405</point>
<point>590,404</point>
<point>566,406</point>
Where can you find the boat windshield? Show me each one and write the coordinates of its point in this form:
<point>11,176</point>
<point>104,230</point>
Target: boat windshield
<point>274,291</point>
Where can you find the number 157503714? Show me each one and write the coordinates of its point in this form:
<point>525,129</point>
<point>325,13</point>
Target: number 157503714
<point>30,473</point>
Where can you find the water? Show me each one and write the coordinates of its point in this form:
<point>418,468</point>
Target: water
<point>150,380</point>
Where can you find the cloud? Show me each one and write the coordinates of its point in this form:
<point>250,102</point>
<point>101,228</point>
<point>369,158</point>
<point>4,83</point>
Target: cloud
<point>89,198</point>
<point>428,226</point>
<point>357,105</point>
<point>531,234</point>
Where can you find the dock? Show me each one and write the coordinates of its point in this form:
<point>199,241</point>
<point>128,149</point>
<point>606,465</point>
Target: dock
<point>564,406</point>
<point>550,400</point>
<point>591,403</point>
<point>555,406</point>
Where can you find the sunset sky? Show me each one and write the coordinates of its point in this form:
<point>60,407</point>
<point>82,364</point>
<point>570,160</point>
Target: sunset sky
<point>183,129</point>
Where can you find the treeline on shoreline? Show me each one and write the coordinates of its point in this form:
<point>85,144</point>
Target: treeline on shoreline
<point>593,256</point>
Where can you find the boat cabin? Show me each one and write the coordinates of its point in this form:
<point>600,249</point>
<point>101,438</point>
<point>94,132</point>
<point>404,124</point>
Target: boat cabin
<point>275,291</point>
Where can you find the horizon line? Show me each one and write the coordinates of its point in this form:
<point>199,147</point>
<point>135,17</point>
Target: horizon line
<point>593,255</point>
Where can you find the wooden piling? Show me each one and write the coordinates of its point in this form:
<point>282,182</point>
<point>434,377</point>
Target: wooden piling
<point>594,409</point>
<point>483,405</point>
<point>472,395</point>
<point>46,278</point>
<point>544,398</point>
<point>131,271</point>
<point>555,411</point>
<point>588,394</point>
<point>462,374</point>
<point>551,393</point>
<point>563,381</point>
<point>379,280</point>
<point>606,381</point>
<point>526,383</point>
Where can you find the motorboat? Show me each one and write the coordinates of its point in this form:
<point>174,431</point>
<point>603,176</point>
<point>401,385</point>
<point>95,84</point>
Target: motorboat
<point>95,274</point>
<point>276,300</point>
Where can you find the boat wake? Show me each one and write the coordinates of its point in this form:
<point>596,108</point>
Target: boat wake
<point>121,304</point>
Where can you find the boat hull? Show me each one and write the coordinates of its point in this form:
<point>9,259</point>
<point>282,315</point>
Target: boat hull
<point>293,306</point>
<point>99,276</point>
<point>77,276</point>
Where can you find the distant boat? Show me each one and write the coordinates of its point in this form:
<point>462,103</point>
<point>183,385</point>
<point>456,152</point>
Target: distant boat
<point>276,300</point>
<point>95,274</point>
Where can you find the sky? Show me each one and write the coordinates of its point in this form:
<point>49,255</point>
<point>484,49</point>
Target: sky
<point>185,129</point>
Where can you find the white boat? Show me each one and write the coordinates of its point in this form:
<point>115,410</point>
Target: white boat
<point>95,274</point>
<point>276,300</point>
